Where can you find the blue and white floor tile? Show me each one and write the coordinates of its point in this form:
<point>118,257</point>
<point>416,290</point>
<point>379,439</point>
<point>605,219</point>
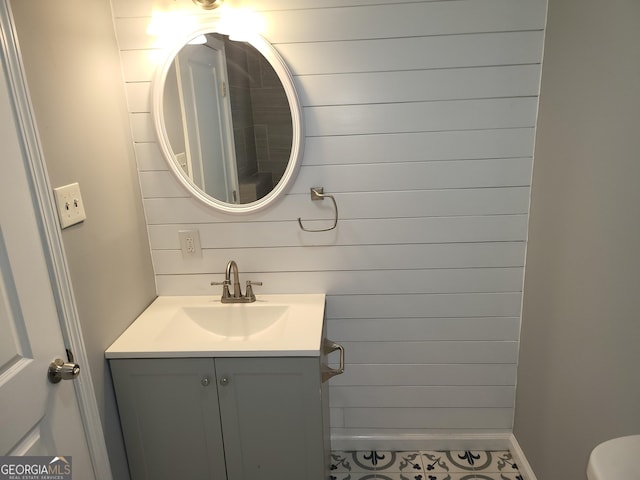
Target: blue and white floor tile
<point>424,465</point>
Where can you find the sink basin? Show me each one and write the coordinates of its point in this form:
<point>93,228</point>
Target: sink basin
<point>199,326</point>
<point>232,321</point>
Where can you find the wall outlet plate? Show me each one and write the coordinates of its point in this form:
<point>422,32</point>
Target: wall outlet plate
<point>70,205</point>
<point>190,243</point>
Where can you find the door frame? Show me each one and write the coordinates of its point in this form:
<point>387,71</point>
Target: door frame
<point>52,242</point>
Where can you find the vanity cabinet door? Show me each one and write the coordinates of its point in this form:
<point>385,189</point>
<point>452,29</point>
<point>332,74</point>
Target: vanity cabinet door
<point>169,415</point>
<point>272,418</point>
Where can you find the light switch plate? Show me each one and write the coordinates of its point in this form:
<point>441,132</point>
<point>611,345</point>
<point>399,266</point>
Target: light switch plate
<point>70,205</point>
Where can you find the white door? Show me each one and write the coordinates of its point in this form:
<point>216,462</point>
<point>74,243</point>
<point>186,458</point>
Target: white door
<point>36,417</point>
<point>202,82</point>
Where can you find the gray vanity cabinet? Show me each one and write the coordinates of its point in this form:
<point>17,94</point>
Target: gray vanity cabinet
<point>223,418</point>
<point>169,419</point>
<point>272,418</point>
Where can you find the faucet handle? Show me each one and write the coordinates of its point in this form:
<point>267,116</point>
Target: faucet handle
<point>225,288</point>
<point>249,290</point>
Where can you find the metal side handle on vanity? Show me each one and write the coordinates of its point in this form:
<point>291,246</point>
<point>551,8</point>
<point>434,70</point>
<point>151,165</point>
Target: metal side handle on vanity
<point>328,347</point>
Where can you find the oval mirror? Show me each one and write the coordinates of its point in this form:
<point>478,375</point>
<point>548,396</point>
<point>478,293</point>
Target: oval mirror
<point>228,121</point>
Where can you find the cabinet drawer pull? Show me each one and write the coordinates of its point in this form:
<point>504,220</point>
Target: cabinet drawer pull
<point>329,347</point>
<point>224,381</point>
<point>204,382</point>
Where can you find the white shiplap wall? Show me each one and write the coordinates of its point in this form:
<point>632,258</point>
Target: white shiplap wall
<point>420,118</point>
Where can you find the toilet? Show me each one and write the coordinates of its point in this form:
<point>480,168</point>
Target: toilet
<point>615,459</point>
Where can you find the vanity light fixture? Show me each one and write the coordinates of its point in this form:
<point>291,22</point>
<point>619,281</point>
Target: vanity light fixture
<point>199,40</point>
<point>240,24</point>
<point>208,4</point>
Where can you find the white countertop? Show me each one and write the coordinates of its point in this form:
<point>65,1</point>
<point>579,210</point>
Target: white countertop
<point>201,326</point>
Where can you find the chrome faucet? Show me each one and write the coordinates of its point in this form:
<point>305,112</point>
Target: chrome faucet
<point>236,296</point>
<point>232,266</point>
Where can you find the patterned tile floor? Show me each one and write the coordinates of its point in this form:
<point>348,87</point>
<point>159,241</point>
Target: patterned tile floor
<point>424,465</point>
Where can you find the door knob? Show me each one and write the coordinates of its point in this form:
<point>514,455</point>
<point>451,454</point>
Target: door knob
<point>224,381</point>
<point>61,370</point>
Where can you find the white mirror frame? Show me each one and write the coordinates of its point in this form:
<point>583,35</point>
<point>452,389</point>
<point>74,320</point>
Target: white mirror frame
<point>295,159</point>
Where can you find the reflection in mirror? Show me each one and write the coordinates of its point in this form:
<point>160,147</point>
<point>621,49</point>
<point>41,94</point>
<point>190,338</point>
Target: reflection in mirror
<point>228,119</point>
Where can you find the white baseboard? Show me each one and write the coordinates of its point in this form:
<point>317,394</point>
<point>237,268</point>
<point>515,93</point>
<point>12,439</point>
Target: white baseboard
<point>401,441</point>
<point>518,456</point>
<point>417,442</point>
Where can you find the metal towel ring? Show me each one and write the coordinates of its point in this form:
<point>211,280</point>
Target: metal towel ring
<point>317,193</point>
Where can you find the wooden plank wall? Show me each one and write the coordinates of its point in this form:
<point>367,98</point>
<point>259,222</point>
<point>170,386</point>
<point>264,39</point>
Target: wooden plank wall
<point>420,118</point>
